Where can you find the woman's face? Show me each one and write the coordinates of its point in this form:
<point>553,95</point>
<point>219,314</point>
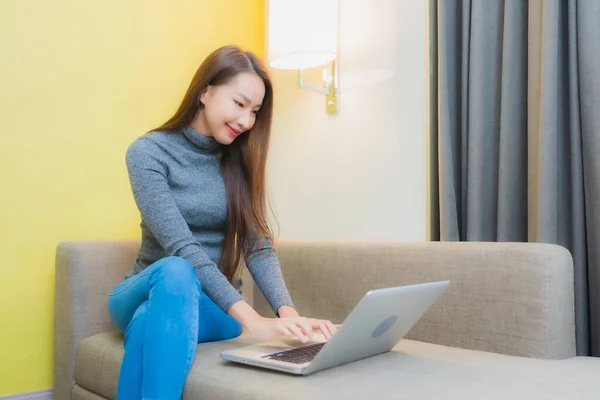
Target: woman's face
<point>231,109</point>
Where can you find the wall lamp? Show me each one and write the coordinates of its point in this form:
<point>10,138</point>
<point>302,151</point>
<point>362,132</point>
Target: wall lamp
<point>303,34</point>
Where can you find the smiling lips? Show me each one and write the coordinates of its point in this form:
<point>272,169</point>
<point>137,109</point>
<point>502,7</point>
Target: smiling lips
<point>233,131</point>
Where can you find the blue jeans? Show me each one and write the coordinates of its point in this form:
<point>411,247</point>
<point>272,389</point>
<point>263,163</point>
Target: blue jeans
<point>163,314</point>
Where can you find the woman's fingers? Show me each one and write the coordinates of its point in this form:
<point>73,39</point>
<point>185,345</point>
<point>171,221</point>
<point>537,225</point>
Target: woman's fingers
<point>304,328</point>
<point>328,328</point>
<point>332,328</point>
<point>296,329</point>
<point>283,330</point>
<point>323,327</point>
<point>301,327</point>
<point>307,326</point>
<point>304,324</point>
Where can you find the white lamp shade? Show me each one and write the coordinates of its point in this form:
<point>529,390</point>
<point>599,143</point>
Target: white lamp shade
<point>302,33</point>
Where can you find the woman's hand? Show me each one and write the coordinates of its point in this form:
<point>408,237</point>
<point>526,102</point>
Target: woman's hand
<point>303,328</point>
<point>326,327</point>
<point>289,323</point>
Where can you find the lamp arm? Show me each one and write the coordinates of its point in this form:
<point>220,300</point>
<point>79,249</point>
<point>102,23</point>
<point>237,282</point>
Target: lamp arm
<point>329,88</point>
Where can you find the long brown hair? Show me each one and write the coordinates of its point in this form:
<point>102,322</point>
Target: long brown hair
<point>243,162</point>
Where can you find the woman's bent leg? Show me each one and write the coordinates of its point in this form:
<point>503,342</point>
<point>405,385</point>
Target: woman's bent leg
<point>161,336</point>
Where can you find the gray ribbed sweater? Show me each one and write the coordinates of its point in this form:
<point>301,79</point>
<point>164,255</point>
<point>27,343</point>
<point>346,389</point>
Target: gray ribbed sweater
<point>179,190</point>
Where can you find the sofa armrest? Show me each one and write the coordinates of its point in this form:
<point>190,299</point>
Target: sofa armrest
<point>86,272</point>
<point>509,298</point>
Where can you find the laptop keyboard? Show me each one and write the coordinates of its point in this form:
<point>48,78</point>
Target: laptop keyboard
<point>298,355</point>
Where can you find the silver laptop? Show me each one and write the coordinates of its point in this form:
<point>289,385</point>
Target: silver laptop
<point>375,326</point>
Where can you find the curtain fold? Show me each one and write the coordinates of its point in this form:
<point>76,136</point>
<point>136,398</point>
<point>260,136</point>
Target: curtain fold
<point>517,132</point>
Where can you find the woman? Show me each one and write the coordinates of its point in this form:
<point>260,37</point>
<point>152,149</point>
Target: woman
<point>199,183</point>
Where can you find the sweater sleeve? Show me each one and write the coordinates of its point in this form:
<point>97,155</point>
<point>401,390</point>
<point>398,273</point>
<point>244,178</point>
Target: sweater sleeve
<point>264,267</point>
<point>148,178</point>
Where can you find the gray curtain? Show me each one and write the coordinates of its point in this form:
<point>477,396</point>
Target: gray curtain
<point>515,128</point>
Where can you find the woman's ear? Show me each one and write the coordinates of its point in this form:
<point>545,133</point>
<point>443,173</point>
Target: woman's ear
<point>203,94</point>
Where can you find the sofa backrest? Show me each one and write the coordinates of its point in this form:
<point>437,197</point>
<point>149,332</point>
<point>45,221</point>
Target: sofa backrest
<point>509,298</point>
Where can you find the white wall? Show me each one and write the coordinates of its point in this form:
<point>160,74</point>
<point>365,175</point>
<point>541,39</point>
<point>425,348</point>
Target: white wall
<point>361,174</point>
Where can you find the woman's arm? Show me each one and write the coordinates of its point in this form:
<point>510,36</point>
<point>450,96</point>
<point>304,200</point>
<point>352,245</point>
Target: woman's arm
<point>264,267</point>
<point>266,271</point>
<point>148,178</point>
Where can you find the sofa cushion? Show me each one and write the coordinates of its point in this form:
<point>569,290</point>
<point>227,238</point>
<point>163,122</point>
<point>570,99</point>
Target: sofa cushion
<point>413,370</point>
<point>79,393</point>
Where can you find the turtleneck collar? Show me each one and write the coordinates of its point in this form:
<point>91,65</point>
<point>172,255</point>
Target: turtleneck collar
<point>202,142</point>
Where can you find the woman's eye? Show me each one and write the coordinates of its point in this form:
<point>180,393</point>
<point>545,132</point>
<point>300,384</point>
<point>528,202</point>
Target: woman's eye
<point>238,103</point>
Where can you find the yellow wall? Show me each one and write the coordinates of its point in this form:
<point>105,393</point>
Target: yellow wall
<point>79,80</point>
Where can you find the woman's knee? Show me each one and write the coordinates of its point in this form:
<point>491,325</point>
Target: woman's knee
<point>177,267</point>
<point>176,273</point>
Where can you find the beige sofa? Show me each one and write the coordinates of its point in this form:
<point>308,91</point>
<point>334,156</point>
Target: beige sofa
<point>503,330</point>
